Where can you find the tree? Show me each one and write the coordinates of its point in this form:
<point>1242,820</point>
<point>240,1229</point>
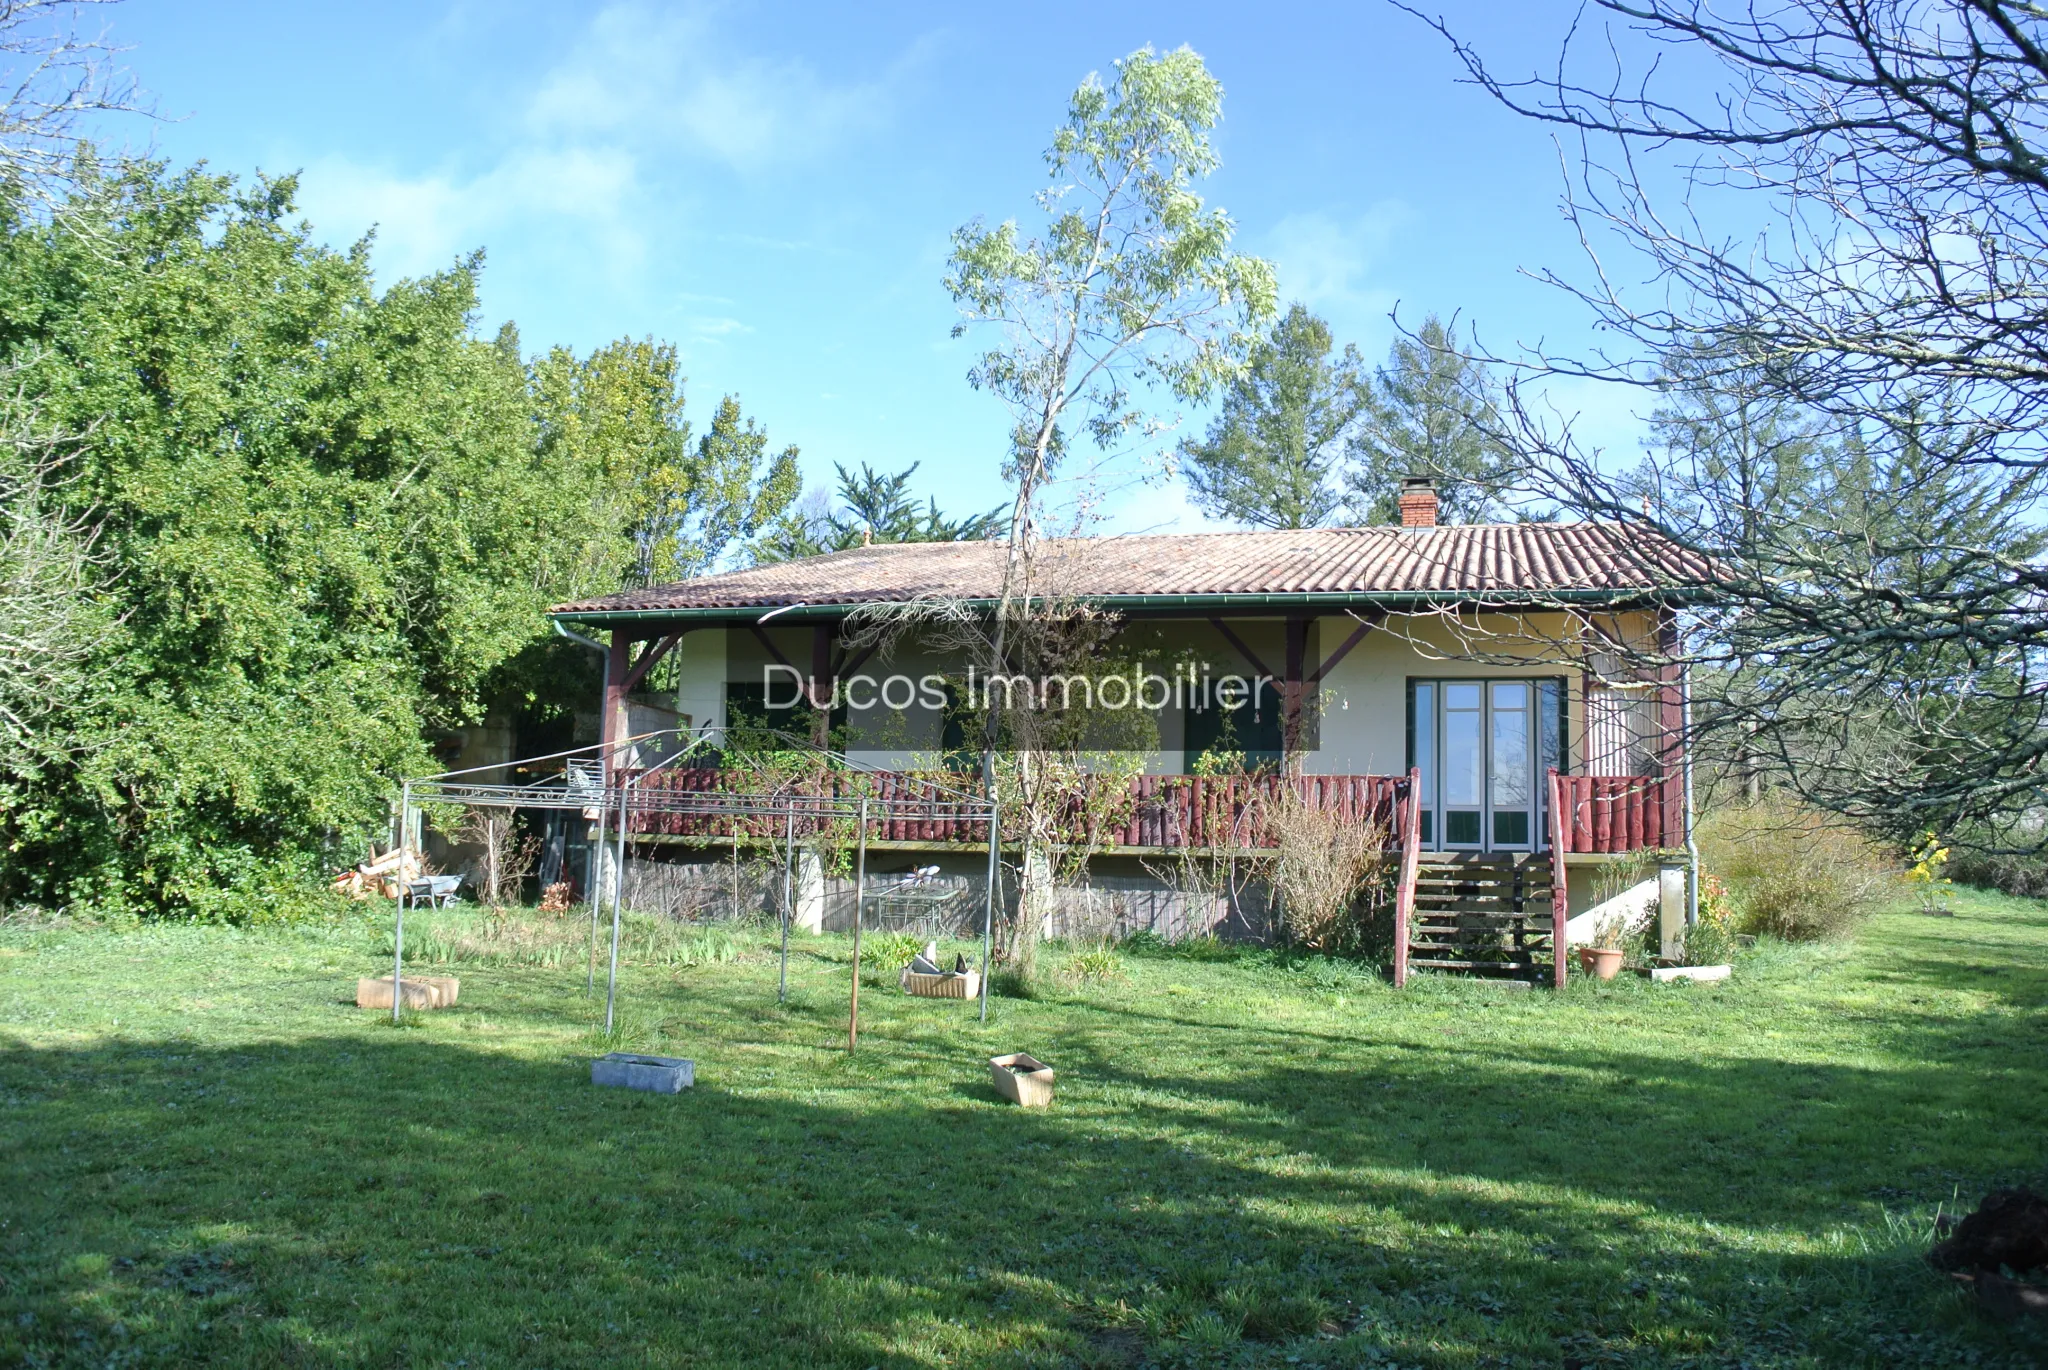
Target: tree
<point>1432,412</point>
<point>872,508</point>
<point>326,526</point>
<point>617,415</point>
<point>734,491</point>
<point>1898,292</point>
<point>51,616</point>
<point>1269,456</point>
<point>1132,285</point>
<point>1130,293</point>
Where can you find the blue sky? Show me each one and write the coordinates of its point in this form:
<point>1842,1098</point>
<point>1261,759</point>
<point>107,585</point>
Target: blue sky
<point>772,188</point>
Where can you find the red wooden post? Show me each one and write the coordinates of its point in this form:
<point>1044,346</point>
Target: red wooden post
<point>614,723</point>
<point>1293,666</point>
<point>1560,890</point>
<point>823,685</point>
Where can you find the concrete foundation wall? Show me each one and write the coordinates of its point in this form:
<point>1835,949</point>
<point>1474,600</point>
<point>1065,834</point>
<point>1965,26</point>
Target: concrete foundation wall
<point>1120,898</point>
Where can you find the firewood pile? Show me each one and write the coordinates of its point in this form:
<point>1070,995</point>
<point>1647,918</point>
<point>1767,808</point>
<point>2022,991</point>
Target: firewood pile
<point>381,877</point>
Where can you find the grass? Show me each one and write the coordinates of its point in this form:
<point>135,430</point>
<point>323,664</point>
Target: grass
<point>208,1154</point>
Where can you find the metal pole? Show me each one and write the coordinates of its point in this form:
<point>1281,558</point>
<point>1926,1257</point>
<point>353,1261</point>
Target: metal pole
<point>788,900</point>
<point>398,934</point>
<point>988,906</point>
<point>595,857</point>
<point>611,986</point>
<point>860,882</point>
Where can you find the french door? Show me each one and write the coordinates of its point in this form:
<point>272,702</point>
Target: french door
<point>1483,748</point>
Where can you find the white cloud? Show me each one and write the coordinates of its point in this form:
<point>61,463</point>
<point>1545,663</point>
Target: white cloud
<point>1324,262</point>
<point>665,82</point>
<point>424,221</point>
<point>637,93</point>
<point>713,328</point>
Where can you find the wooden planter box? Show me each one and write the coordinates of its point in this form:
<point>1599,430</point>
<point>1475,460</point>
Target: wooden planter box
<point>963,985</point>
<point>1022,1079</point>
<point>421,991</point>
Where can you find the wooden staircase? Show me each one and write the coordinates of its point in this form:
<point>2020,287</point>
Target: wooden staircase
<point>1483,914</point>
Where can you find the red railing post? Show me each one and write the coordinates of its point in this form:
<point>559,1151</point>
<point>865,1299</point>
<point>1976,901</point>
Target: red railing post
<point>1560,898</point>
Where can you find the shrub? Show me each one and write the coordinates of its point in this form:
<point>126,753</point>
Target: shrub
<point>886,951</point>
<point>1324,871</point>
<point>1793,872</point>
<point>1097,962</point>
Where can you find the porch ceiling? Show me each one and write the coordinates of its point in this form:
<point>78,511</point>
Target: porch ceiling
<point>1491,563</point>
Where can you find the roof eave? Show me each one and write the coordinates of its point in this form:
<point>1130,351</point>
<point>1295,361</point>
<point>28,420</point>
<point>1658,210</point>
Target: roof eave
<point>1625,597</point>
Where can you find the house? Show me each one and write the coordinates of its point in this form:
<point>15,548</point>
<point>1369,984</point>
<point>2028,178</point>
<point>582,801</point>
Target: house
<point>1477,659</point>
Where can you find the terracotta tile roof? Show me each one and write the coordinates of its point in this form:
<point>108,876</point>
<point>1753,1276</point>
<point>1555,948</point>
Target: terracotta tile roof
<point>1457,561</point>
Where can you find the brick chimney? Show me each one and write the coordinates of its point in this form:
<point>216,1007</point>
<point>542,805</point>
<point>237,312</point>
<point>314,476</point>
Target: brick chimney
<point>1418,502</point>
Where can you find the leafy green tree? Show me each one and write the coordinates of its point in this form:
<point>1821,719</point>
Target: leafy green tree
<point>1269,457</point>
<point>678,508</point>
<point>734,491</point>
<point>872,508</point>
<point>1434,412</point>
<point>326,524</point>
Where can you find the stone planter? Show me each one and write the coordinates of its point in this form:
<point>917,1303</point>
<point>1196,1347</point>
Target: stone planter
<point>1022,1079</point>
<point>421,991</point>
<point>1664,975</point>
<point>655,1074</point>
<point>1603,963</point>
<point>950,985</point>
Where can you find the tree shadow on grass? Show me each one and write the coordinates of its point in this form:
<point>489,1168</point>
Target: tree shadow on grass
<point>393,1198</point>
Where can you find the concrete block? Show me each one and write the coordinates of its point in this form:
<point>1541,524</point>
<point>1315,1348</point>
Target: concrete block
<point>656,1074</point>
<point>1664,975</point>
<point>808,903</point>
<point>1671,902</point>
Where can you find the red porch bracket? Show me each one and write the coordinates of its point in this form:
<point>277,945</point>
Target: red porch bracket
<point>1251,657</point>
<point>651,656</point>
<point>1358,635</point>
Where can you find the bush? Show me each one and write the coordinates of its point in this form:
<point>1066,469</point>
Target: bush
<point>1792,872</point>
<point>887,952</point>
<point>2022,875</point>
<point>1326,873</point>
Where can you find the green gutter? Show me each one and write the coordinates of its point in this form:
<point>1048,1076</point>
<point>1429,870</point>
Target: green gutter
<point>1495,599</point>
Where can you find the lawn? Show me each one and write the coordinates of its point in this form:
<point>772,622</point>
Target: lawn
<point>207,1153</point>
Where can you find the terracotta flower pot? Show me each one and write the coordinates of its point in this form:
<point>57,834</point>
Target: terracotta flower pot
<point>1604,962</point>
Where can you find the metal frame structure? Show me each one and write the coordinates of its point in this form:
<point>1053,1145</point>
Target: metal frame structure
<point>622,795</point>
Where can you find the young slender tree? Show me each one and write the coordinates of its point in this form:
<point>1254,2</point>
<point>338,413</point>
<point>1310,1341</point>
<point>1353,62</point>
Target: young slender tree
<point>1129,295</point>
<point>1433,412</point>
<point>1270,457</point>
